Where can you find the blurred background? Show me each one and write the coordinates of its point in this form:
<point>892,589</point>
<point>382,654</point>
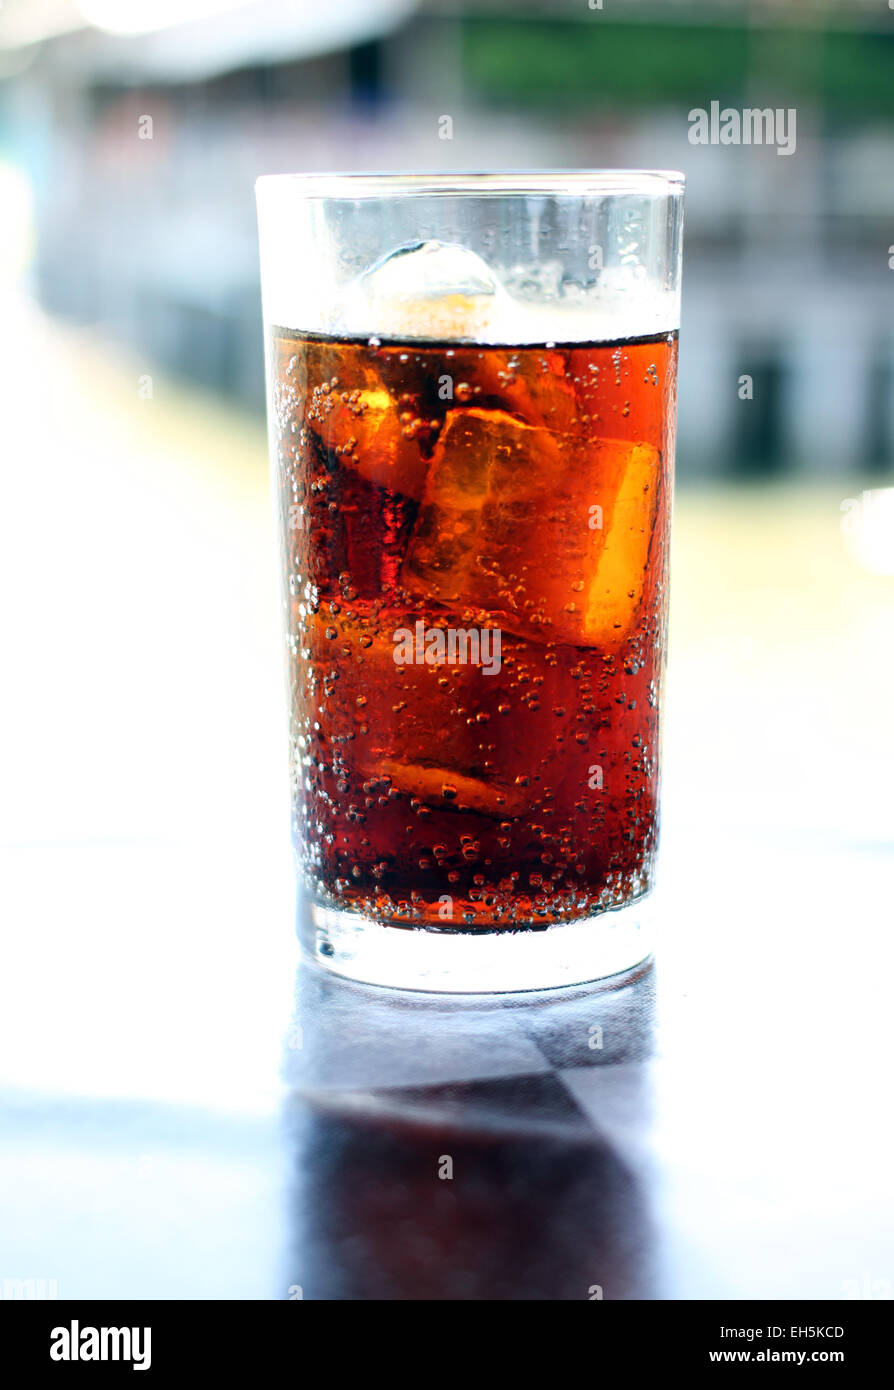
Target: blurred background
<point>143,821</point>
<point>145,228</point>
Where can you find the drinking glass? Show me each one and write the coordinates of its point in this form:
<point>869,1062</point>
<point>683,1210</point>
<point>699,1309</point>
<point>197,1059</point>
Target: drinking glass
<point>472,398</point>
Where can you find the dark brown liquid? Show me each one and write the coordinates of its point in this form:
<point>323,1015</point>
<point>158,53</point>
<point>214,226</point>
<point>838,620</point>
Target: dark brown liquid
<point>436,500</point>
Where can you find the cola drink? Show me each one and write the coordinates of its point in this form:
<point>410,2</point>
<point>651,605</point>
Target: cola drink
<point>475,553</point>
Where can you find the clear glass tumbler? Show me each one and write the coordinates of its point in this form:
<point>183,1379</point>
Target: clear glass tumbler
<point>472,396</point>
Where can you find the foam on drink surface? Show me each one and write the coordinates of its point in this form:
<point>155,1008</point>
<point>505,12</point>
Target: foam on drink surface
<point>439,291</point>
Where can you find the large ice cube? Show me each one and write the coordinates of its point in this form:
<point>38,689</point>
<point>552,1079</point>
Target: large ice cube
<point>426,289</point>
<point>447,734</point>
<point>549,532</point>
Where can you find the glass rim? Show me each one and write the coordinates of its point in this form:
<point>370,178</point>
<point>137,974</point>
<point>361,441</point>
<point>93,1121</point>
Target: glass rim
<point>558,182</point>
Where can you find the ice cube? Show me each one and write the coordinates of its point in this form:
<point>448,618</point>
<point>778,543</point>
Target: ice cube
<point>445,789</point>
<point>548,533</point>
<point>426,289</point>
<point>447,734</point>
<point>358,419</point>
<point>535,386</point>
<point>614,594</point>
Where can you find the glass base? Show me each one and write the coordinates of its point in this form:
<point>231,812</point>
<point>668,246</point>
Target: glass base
<point>476,962</point>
